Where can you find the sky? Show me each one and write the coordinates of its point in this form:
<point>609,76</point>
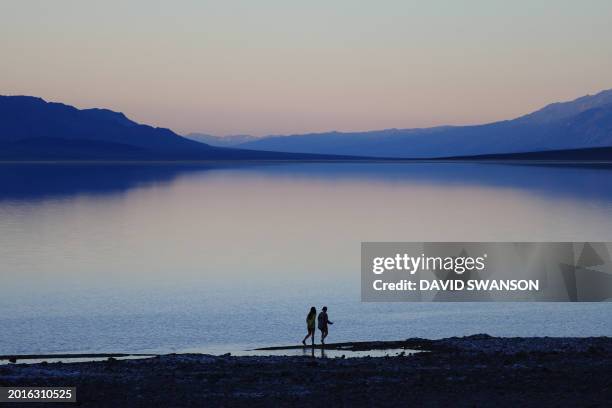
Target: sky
<point>282,67</point>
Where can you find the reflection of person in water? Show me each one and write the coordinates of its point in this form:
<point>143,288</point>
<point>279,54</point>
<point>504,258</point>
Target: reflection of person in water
<point>310,325</point>
<point>322,322</point>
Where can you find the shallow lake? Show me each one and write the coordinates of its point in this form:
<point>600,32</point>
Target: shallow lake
<point>217,258</point>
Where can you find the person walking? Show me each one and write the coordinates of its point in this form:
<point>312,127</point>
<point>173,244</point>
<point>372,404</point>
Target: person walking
<point>310,325</point>
<point>322,322</point>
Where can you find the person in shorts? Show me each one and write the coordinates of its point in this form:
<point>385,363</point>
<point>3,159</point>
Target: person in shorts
<point>323,322</point>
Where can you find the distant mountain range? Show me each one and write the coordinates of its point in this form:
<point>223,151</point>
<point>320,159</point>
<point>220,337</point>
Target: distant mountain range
<point>221,141</point>
<point>33,129</point>
<point>582,123</point>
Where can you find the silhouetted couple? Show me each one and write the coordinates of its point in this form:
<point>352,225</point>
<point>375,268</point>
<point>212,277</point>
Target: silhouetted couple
<point>322,322</point>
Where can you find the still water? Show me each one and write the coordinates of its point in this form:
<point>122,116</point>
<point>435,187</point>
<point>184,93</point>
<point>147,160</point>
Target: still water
<point>165,258</point>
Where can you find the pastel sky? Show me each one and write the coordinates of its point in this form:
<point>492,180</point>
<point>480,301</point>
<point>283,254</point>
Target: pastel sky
<point>280,66</point>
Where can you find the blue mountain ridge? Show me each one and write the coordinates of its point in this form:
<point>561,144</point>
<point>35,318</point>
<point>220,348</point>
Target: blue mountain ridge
<point>33,129</point>
<point>583,123</point>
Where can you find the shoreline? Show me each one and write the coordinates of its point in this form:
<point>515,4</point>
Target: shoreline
<point>483,343</point>
<point>461,371</point>
<point>356,160</point>
<point>19,357</point>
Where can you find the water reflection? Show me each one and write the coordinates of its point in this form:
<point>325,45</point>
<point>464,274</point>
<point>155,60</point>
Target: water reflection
<point>166,257</point>
<point>40,181</point>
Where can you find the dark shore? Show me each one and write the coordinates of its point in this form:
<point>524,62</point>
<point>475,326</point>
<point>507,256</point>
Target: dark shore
<point>470,371</point>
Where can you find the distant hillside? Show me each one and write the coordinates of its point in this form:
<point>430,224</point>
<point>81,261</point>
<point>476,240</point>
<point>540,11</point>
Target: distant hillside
<point>33,129</point>
<point>564,110</point>
<point>583,123</point>
<point>221,141</point>
<point>593,154</point>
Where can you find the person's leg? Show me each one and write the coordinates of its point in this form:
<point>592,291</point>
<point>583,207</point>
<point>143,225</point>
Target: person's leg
<point>313,336</point>
<point>306,337</point>
<point>323,336</point>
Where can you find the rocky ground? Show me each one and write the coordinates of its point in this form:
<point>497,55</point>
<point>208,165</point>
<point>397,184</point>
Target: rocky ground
<point>470,371</point>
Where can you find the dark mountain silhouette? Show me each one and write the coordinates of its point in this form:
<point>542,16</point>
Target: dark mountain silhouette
<point>33,129</point>
<point>583,123</point>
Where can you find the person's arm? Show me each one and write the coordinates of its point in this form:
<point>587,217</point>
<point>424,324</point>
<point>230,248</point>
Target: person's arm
<point>329,321</point>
